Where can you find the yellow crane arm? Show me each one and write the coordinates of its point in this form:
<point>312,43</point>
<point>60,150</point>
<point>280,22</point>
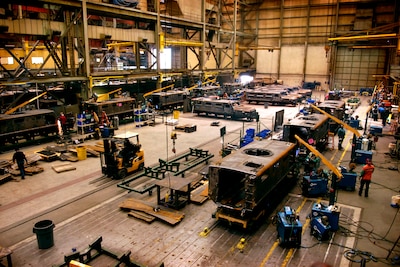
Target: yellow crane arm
<point>207,81</point>
<point>106,96</point>
<point>158,90</point>
<point>345,125</point>
<point>12,110</point>
<point>318,154</point>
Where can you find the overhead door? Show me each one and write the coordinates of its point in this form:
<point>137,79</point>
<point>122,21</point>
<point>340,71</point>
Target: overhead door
<point>355,68</point>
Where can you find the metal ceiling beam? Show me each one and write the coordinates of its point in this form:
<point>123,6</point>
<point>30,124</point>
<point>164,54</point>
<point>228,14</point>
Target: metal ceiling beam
<point>111,10</point>
<point>363,37</point>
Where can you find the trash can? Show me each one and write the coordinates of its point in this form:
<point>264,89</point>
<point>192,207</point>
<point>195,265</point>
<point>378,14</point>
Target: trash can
<point>44,233</point>
<point>176,114</point>
<point>115,123</point>
<point>81,152</point>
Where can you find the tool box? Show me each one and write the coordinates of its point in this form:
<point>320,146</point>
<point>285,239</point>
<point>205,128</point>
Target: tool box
<point>348,181</point>
<point>320,228</point>
<point>332,212</point>
<point>314,186</point>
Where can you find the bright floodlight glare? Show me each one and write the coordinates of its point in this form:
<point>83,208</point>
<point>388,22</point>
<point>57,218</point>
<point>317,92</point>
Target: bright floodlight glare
<point>245,79</point>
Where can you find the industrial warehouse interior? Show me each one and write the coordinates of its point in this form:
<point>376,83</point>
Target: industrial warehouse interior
<point>199,133</point>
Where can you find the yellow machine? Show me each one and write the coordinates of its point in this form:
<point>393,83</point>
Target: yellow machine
<point>123,154</point>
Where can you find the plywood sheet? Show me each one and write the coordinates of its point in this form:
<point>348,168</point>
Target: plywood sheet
<point>167,215</point>
<point>63,167</point>
<point>142,216</point>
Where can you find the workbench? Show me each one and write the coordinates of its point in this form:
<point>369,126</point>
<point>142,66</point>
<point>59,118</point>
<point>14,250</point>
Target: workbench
<point>180,189</point>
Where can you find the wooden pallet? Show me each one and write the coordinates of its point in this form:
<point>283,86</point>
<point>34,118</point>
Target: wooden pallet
<point>170,216</point>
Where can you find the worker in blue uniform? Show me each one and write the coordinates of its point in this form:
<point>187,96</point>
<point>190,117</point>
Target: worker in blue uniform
<point>341,134</point>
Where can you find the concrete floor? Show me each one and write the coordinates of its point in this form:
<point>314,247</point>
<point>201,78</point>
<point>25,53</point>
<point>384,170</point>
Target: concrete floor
<point>84,206</point>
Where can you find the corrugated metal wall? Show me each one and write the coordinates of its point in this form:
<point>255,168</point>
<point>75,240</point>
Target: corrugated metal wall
<point>355,68</point>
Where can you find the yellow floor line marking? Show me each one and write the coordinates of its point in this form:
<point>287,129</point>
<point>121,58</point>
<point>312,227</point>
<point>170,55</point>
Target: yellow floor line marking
<point>276,243</point>
<point>288,256</point>
<point>292,250</point>
<point>301,205</point>
<point>344,153</point>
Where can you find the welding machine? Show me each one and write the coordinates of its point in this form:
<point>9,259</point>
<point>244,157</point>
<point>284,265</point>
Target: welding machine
<point>314,186</point>
<point>320,227</point>
<point>332,212</point>
<point>289,228</point>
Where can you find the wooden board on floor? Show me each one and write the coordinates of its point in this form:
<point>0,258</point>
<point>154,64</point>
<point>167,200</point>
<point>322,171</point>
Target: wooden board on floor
<point>68,157</point>
<point>167,215</point>
<point>33,170</point>
<point>97,149</point>
<point>141,215</point>
<point>92,152</point>
<point>29,170</point>
<point>5,177</point>
<point>200,194</point>
<point>63,167</point>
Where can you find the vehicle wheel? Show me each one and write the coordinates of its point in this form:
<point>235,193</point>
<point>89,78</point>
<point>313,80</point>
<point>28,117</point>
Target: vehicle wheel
<point>141,166</point>
<point>281,241</point>
<point>122,173</point>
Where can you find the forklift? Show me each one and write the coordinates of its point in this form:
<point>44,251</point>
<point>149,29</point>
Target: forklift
<point>123,154</point>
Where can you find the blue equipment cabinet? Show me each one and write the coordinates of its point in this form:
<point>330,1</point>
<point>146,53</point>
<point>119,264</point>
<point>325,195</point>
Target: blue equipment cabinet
<point>375,130</point>
<point>354,124</point>
<point>289,228</point>
<point>332,212</point>
<point>361,156</point>
<point>314,186</point>
<point>348,181</point>
<point>320,228</point>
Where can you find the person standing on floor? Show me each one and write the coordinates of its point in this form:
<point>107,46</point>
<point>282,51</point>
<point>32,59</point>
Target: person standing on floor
<point>341,133</point>
<point>366,176</point>
<point>20,158</point>
<point>63,122</point>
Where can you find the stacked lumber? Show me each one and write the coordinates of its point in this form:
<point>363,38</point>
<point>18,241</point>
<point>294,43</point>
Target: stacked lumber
<point>33,158</point>
<point>145,211</point>
<point>96,148</point>
<point>89,150</point>
<point>29,170</point>
<point>5,177</point>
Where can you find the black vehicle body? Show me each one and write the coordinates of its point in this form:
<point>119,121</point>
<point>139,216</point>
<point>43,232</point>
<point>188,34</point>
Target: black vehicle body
<point>335,108</point>
<point>208,90</point>
<point>244,184</point>
<point>168,100</point>
<point>312,128</point>
<point>228,109</point>
<point>27,125</point>
<point>272,96</point>
<point>121,107</point>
